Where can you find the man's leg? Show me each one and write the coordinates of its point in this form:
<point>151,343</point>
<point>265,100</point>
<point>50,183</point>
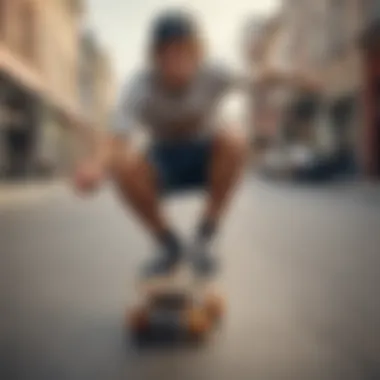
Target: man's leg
<point>137,183</point>
<point>228,156</point>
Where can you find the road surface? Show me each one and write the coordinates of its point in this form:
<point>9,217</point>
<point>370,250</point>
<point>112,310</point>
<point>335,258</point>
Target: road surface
<point>301,272</point>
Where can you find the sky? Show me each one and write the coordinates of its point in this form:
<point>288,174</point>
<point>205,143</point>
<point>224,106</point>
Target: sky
<point>122,25</point>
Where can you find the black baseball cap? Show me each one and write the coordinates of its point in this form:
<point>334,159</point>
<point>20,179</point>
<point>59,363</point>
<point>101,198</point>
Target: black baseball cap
<point>171,26</point>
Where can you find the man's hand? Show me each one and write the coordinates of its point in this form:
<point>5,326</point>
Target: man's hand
<point>89,176</point>
<point>91,172</point>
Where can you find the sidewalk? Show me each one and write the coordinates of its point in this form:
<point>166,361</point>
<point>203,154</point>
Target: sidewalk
<point>21,193</point>
<point>367,192</point>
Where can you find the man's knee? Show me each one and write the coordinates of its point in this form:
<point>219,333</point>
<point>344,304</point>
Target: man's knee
<point>128,168</point>
<point>233,145</point>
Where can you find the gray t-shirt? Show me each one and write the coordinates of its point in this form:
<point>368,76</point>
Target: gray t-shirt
<point>168,116</point>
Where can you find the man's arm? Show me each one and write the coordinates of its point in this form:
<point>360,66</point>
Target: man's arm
<point>108,148</point>
<point>109,145</point>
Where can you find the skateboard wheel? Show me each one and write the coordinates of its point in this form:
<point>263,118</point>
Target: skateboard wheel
<point>214,306</point>
<point>198,323</point>
<point>139,320</point>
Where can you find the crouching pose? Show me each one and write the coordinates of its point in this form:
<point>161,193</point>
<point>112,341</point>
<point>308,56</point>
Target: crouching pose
<point>175,99</point>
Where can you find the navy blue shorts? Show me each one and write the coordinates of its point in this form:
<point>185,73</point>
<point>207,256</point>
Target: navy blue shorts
<point>181,167</point>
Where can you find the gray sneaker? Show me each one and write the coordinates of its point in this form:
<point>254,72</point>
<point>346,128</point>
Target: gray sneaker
<point>204,261</point>
<point>162,265</point>
<point>205,266</point>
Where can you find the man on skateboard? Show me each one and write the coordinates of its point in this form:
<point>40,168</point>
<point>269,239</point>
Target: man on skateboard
<point>175,98</point>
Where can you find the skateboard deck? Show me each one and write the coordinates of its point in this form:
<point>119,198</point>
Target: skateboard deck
<point>180,304</point>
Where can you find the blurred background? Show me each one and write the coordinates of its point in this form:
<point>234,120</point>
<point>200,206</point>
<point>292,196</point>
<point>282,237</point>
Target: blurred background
<point>329,132</point>
<point>300,246</point>
<point>62,64</point>
<point>55,77</point>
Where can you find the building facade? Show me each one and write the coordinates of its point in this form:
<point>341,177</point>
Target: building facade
<point>303,24</point>
<point>39,52</point>
<point>343,81</point>
<point>324,37</point>
<point>105,90</point>
<point>96,82</point>
<point>20,83</point>
<point>338,43</point>
<point>370,45</point>
<point>266,49</point>
<point>61,23</point>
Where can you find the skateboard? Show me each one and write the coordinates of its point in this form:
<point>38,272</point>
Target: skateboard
<point>178,306</point>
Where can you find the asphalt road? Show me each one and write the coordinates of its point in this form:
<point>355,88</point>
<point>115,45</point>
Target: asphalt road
<point>300,270</point>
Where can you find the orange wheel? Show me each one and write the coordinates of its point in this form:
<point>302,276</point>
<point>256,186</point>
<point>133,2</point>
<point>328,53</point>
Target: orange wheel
<point>138,319</point>
<point>198,323</point>
<point>214,306</point>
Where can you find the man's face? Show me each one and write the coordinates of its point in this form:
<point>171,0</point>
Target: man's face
<point>177,63</point>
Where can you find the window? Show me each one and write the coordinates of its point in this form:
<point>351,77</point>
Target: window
<point>372,10</point>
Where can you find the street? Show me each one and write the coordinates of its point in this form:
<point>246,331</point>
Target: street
<point>300,272</point>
